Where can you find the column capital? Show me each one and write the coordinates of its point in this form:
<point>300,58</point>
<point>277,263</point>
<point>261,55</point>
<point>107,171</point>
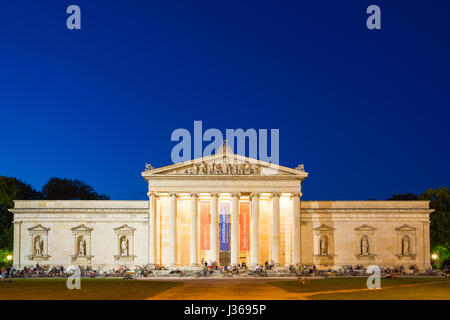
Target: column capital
<point>193,194</point>
<point>173,194</point>
<point>255,195</point>
<point>150,194</point>
<point>296,194</point>
<point>214,195</point>
<point>275,194</point>
<point>235,194</point>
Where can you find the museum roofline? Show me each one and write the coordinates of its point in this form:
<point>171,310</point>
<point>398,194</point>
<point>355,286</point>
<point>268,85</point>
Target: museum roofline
<point>144,204</point>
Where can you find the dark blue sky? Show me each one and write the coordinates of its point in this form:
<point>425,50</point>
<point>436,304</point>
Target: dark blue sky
<point>366,111</point>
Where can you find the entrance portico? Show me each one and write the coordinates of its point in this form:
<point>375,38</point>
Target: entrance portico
<point>230,200</point>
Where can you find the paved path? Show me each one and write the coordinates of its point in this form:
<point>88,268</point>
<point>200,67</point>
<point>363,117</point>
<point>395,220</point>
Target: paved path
<point>239,289</point>
<point>226,289</point>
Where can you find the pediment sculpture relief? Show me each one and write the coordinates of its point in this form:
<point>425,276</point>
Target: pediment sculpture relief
<point>219,169</point>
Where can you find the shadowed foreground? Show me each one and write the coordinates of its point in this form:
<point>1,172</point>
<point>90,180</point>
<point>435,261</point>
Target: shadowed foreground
<point>226,289</point>
<point>91,289</point>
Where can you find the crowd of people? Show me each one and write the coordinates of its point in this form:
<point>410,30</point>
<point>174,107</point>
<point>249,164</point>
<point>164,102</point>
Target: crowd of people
<point>47,271</point>
<point>358,270</point>
<point>209,268</point>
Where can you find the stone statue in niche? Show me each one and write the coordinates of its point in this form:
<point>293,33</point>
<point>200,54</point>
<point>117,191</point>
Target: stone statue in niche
<point>323,246</point>
<point>81,246</point>
<point>406,251</point>
<point>364,246</point>
<point>124,246</point>
<point>38,246</point>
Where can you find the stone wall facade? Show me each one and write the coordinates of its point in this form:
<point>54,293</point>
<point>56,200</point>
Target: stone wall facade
<point>102,223</point>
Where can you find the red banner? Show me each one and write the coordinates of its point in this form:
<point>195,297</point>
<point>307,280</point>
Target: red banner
<point>204,224</point>
<point>245,226</point>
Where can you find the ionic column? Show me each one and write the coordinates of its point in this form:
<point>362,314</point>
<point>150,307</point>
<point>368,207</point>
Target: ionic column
<point>152,229</point>
<point>295,228</point>
<point>173,229</point>
<point>213,230</point>
<point>193,250</point>
<point>254,226</point>
<point>276,228</point>
<point>234,228</point>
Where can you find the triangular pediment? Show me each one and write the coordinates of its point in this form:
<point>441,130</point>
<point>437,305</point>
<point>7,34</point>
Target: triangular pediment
<point>324,228</point>
<point>405,227</point>
<point>365,227</point>
<point>38,228</point>
<point>124,227</point>
<point>81,228</point>
<point>225,164</point>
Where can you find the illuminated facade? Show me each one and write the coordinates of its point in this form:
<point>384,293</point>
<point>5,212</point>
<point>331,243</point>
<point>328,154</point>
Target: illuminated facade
<point>225,208</point>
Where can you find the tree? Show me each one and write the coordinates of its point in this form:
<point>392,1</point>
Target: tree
<point>12,189</point>
<point>406,196</point>
<point>67,189</point>
<point>440,219</point>
<point>55,189</point>
<point>443,256</point>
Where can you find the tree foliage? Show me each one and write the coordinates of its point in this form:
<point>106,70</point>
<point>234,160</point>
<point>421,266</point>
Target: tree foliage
<point>11,189</point>
<point>55,189</point>
<point>439,220</point>
<point>443,256</point>
<point>406,196</point>
<point>67,189</point>
<point>4,262</point>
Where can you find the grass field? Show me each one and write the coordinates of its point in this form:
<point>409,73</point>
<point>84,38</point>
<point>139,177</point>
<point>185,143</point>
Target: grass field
<point>321,289</point>
<point>356,289</point>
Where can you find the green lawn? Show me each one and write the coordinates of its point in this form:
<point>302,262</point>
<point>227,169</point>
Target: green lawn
<point>117,289</point>
<point>56,289</point>
<point>438,291</point>
<point>403,288</point>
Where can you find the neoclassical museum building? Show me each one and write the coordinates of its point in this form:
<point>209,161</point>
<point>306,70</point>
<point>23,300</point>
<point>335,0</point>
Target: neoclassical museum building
<point>225,208</point>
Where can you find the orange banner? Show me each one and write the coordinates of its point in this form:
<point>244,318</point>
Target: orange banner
<point>245,226</point>
<point>204,225</point>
